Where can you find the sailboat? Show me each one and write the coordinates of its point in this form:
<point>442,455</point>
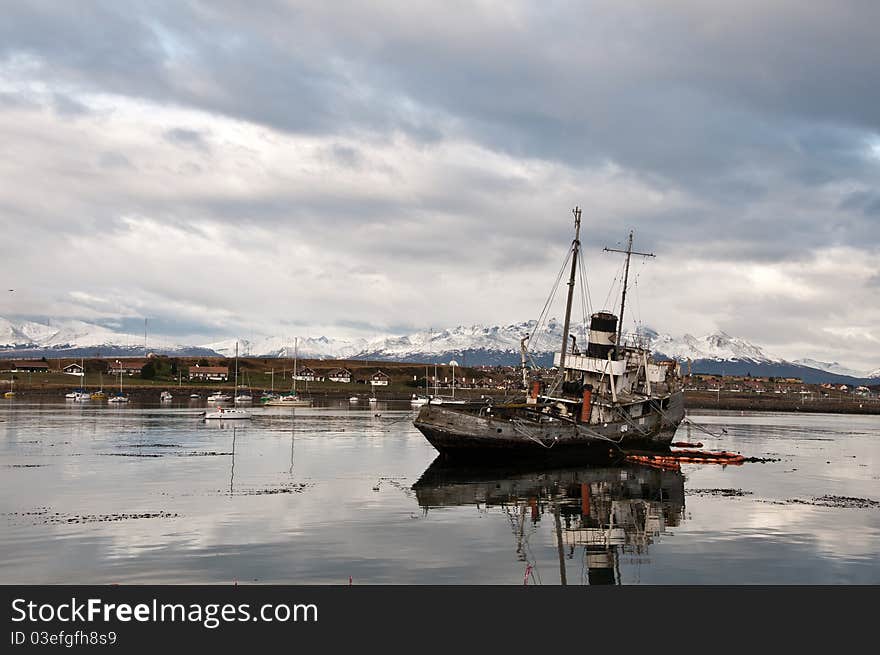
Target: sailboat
<point>11,392</point>
<point>229,414</point>
<point>99,394</point>
<point>606,399</point>
<point>270,395</point>
<point>165,397</point>
<point>243,395</point>
<point>418,401</point>
<point>292,399</point>
<point>119,397</point>
<point>80,395</point>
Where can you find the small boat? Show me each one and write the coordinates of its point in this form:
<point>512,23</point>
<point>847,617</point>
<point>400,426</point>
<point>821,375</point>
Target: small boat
<point>219,397</point>
<point>417,401</point>
<point>98,395</point>
<point>244,397</point>
<point>290,400</point>
<point>119,397</point>
<point>373,399</point>
<point>266,397</point>
<point>11,392</point>
<point>165,397</point>
<point>80,395</point>
<point>227,414</point>
<point>354,399</point>
<point>194,396</point>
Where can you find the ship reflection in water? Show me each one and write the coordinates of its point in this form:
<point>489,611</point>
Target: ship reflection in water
<point>597,513</point>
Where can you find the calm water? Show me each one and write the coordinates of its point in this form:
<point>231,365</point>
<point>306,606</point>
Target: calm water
<point>97,494</point>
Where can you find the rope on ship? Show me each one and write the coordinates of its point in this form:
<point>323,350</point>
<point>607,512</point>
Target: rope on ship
<point>518,428</point>
<point>698,426</point>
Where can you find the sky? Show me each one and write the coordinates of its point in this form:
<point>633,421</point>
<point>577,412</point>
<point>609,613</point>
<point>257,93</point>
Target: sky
<point>352,169</point>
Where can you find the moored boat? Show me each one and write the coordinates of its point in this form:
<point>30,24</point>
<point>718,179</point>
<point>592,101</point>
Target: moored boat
<point>289,400</point>
<point>601,401</point>
<point>227,414</point>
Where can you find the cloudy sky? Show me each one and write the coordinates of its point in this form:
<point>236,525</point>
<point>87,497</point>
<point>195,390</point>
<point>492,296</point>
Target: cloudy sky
<point>358,168</point>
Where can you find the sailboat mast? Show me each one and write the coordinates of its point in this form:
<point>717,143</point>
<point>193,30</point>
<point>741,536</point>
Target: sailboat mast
<point>575,247</point>
<point>295,348</point>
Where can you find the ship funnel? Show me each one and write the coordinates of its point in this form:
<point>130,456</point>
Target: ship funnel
<point>603,333</point>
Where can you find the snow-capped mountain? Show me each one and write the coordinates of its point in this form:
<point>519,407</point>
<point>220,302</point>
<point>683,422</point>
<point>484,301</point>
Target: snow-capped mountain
<point>718,346</point>
<point>307,348</point>
<point>469,345</point>
<point>66,336</point>
<point>835,367</point>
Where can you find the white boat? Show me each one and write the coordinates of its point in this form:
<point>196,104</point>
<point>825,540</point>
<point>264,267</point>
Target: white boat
<point>354,399</point>
<point>218,397</point>
<point>373,399</point>
<point>290,400</point>
<point>229,414</point>
<point>194,396</point>
<point>118,397</point>
<point>244,397</point>
<point>225,414</point>
<point>417,401</point>
<point>165,397</point>
<point>80,395</point>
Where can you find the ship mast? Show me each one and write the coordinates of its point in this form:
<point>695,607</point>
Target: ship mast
<point>575,247</point>
<point>629,253</point>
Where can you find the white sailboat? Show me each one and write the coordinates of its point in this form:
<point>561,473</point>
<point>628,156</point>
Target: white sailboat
<point>243,395</point>
<point>80,395</point>
<point>418,401</point>
<point>292,399</point>
<point>229,414</point>
<point>165,397</point>
<point>119,397</point>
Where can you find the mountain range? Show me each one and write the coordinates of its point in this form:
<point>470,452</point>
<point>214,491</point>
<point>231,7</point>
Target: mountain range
<point>473,345</point>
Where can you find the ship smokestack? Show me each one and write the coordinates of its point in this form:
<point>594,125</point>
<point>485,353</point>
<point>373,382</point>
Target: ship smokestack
<point>603,334</point>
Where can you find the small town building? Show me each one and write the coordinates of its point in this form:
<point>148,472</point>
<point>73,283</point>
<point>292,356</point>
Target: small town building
<point>305,374</point>
<point>73,369</point>
<point>339,375</point>
<point>212,373</point>
<point>128,367</point>
<point>30,367</point>
<point>379,379</point>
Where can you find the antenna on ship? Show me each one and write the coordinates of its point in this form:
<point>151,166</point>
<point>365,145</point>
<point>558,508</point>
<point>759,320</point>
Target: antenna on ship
<point>629,253</point>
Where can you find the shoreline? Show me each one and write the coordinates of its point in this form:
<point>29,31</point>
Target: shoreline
<point>693,399</point>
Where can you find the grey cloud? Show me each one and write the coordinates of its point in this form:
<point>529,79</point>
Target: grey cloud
<point>186,137</point>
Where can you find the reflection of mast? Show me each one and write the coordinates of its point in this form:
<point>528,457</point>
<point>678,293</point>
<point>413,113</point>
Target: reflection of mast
<point>292,430</point>
<point>562,579</point>
<point>232,471</point>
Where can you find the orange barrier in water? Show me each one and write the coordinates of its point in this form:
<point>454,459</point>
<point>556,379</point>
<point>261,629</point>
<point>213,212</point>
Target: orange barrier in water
<point>675,458</point>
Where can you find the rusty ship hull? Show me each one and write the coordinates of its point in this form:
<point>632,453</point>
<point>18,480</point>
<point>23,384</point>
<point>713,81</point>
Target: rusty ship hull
<point>520,430</point>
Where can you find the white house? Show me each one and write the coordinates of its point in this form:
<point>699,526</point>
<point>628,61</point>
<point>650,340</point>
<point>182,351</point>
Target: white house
<point>379,379</point>
<point>73,369</point>
<point>339,375</point>
<point>305,374</point>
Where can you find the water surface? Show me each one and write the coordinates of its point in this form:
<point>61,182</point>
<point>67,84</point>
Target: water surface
<point>91,493</point>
